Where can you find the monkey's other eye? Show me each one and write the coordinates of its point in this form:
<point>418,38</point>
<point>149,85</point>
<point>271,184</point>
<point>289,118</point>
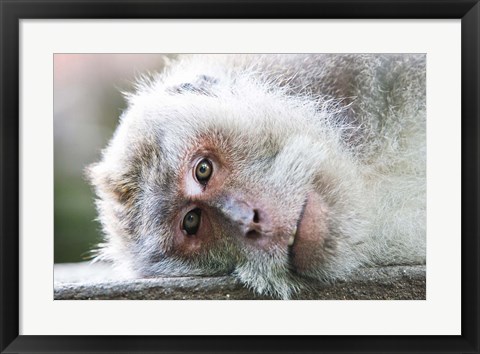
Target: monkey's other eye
<point>191,221</point>
<point>203,171</point>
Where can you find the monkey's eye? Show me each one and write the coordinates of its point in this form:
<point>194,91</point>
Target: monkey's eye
<point>203,171</point>
<point>191,221</point>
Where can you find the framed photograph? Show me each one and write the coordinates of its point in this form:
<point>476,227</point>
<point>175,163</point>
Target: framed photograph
<point>263,153</point>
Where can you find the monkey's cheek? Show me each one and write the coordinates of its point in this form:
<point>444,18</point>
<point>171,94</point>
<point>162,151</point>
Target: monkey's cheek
<point>308,249</point>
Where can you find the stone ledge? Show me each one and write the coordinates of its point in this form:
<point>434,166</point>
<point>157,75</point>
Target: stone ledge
<point>85,281</point>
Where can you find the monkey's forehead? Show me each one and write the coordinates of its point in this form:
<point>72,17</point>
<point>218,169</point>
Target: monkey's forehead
<point>177,117</point>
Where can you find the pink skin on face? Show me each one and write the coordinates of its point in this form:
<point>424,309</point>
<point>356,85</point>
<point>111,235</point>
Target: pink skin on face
<point>312,231</point>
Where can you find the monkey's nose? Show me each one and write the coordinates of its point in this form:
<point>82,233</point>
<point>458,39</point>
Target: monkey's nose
<point>250,219</point>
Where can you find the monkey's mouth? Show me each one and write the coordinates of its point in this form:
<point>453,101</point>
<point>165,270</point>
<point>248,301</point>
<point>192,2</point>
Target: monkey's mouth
<point>292,238</point>
<point>306,246</point>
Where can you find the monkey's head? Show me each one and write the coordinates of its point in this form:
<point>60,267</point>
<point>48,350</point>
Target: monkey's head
<point>227,174</point>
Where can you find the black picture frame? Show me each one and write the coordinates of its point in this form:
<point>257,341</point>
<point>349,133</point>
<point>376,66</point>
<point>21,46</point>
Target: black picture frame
<point>12,11</point>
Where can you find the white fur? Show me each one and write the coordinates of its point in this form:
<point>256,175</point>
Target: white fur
<point>352,127</point>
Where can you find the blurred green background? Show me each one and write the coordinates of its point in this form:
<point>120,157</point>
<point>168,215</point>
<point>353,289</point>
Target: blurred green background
<point>87,105</point>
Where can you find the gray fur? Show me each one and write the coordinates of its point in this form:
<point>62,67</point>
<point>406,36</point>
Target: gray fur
<point>349,127</point>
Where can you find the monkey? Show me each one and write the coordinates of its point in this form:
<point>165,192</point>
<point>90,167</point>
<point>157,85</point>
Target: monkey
<point>281,170</point>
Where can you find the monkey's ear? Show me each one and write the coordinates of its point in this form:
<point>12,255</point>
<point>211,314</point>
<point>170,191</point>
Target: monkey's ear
<point>202,85</point>
<point>96,175</point>
<point>121,188</point>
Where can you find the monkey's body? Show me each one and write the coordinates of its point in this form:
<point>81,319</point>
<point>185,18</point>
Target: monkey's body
<point>314,165</point>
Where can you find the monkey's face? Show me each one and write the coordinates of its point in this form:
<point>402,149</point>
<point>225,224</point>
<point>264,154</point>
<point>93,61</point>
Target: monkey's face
<point>245,182</point>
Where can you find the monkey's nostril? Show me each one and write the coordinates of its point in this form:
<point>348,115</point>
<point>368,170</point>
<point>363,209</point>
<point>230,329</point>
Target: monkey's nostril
<point>256,217</point>
<point>252,234</point>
